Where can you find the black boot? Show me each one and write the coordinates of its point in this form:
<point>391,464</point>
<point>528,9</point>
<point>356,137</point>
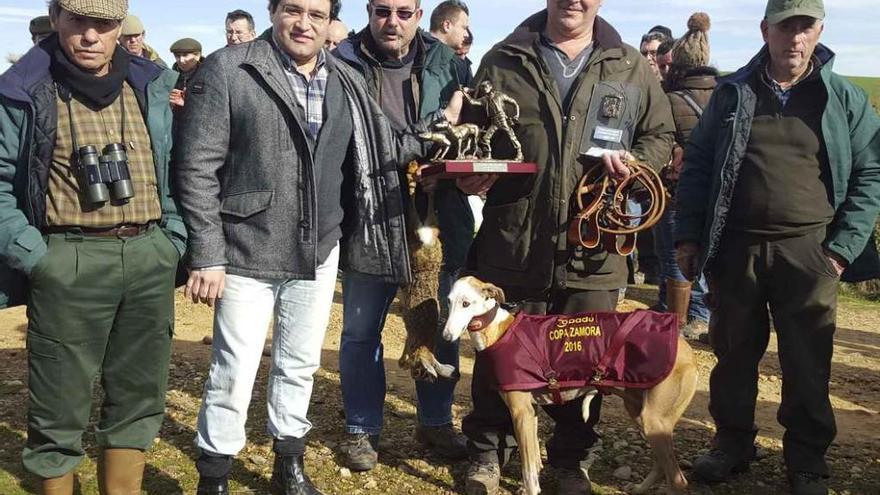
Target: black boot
<point>289,477</point>
<point>213,474</point>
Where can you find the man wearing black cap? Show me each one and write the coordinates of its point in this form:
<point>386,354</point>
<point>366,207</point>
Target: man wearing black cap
<point>94,254</point>
<point>782,182</point>
<point>40,28</point>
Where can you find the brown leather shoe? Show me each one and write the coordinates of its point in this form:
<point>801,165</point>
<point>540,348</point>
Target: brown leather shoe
<point>678,298</point>
<point>120,471</point>
<point>62,485</point>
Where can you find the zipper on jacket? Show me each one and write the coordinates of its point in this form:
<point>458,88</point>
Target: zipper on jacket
<point>726,159</point>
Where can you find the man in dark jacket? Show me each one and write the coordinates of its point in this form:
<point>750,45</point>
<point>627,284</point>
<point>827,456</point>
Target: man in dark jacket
<point>411,75</point>
<point>689,83</point>
<point>187,56</point>
<point>779,193</point>
<point>295,177</point>
<point>94,256</point>
<point>561,65</point>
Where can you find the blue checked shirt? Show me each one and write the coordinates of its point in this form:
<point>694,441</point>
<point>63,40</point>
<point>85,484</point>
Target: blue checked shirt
<point>309,93</point>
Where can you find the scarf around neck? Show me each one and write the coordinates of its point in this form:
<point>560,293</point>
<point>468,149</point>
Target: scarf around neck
<point>97,92</point>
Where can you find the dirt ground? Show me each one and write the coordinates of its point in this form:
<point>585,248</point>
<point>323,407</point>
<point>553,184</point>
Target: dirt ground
<point>405,468</point>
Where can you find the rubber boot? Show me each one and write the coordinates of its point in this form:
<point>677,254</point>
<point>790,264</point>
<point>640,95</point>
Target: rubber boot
<point>678,299</point>
<point>62,485</point>
<point>120,471</point>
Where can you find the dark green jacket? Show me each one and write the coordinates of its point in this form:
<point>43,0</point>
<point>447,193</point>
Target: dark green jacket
<point>851,130</point>
<point>28,123</point>
<point>522,243</point>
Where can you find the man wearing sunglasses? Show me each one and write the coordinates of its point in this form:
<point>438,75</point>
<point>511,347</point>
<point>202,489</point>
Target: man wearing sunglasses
<point>412,75</point>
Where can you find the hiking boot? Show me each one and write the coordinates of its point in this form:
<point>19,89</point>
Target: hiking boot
<point>289,477</point>
<point>359,453</point>
<point>213,474</point>
<point>803,483</point>
<point>718,465</point>
<point>443,440</point>
<point>213,486</point>
<point>696,330</point>
<point>573,482</point>
<point>483,478</point>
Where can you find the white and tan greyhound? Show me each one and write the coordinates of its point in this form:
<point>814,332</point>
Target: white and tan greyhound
<point>655,410</point>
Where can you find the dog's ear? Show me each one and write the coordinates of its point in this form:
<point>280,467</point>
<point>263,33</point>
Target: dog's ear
<point>493,292</point>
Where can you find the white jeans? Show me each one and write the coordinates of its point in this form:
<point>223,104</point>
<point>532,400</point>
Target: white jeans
<point>301,310</point>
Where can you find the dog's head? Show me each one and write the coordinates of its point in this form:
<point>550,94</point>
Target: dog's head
<point>469,298</point>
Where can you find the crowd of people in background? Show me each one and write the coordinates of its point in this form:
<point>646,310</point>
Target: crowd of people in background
<point>767,169</point>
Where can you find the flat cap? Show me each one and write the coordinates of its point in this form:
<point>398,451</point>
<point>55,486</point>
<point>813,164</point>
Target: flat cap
<point>99,9</point>
<point>132,26</point>
<point>186,45</point>
<point>40,25</point>
<point>780,10</point>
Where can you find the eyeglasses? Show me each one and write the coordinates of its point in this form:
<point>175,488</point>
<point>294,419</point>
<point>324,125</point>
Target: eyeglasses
<point>385,12</point>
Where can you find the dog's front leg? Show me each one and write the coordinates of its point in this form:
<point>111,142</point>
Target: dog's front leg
<point>525,426</point>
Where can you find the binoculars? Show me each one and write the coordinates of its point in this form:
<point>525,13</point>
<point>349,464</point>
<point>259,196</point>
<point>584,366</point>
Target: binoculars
<point>106,176</point>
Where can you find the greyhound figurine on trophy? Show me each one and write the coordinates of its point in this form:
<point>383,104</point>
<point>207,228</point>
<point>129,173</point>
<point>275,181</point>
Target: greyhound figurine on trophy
<point>473,144</point>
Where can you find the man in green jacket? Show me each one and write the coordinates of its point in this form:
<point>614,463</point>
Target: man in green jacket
<point>561,65</point>
<point>93,254</point>
<point>782,182</point>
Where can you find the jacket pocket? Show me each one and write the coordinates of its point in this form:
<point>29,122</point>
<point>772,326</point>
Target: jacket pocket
<point>505,236</point>
<point>246,204</point>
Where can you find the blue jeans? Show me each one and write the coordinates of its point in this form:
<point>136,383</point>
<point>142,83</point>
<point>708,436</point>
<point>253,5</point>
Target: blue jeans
<point>366,300</point>
<point>664,245</point>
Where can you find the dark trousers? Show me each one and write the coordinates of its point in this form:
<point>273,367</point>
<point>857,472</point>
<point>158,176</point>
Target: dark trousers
<point>488,426</point>
<point>98,306</point>
<point>796,281</point>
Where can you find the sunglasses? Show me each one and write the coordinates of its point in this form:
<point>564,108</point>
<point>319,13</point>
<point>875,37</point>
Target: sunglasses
<point>385,12</point>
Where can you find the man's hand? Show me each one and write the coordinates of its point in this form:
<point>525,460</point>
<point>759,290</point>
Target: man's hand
<point>615,164</point>
<point>453,108</point>
<point>177,98</point>
<point>687,254</point>
<point>429,184</point>
<point>476,184</point>
<point>205,286</point>
<point>836,261</point>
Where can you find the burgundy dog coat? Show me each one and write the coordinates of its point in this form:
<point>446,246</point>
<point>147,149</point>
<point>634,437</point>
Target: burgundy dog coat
<point>632,350</point>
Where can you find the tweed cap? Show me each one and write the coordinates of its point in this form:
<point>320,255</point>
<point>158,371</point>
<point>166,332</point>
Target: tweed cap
<point>99,9</point>
<point>780,10</point>
<point>132,26</point>
<point>40,26</point>
<point>186,45</point>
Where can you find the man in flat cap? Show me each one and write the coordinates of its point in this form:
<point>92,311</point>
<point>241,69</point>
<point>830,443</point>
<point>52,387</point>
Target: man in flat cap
<point>133,38</point>
<point>92,253</point>
<point>188,56</point>
<point>782,182</point>
<point>40,28</point>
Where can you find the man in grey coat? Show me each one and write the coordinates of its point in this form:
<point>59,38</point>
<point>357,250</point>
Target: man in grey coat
<point>295,177</point>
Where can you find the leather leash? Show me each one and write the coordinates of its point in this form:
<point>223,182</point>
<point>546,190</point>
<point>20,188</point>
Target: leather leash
<point>603,219</point>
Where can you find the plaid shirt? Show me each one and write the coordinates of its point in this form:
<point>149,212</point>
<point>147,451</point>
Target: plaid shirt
<point>64,205</point>
<point>309,93</point>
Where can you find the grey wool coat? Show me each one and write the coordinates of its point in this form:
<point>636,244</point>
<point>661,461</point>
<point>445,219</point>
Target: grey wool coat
<point>245,173</point>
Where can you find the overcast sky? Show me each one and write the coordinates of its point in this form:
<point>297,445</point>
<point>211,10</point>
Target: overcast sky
<point>850,28</point>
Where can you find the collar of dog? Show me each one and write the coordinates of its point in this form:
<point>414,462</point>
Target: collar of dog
<point>479,323</point>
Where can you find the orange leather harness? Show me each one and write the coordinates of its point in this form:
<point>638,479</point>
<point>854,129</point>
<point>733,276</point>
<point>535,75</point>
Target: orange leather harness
<point>602,203</point>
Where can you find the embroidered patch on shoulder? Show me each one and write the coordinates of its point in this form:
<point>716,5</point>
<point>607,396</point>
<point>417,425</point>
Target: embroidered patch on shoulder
<point>197,88</point>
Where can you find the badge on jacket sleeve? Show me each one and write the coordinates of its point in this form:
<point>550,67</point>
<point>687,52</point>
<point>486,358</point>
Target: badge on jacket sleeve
<point>611,106</point>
